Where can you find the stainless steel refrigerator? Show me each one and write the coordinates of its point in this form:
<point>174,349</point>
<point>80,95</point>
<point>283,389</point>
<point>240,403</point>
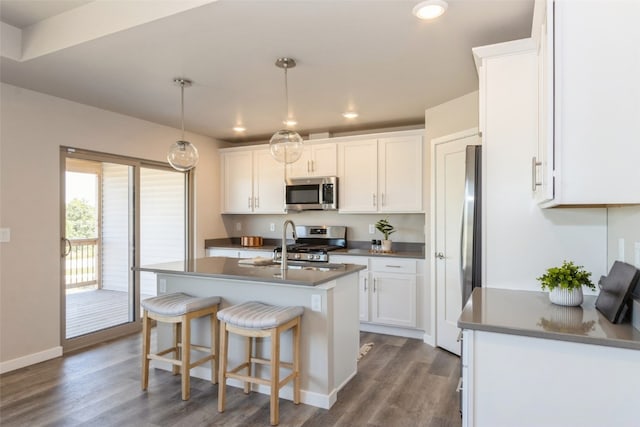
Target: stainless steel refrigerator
<point>471,236</point>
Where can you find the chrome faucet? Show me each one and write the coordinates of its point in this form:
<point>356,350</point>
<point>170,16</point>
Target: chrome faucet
<point>283,264</point>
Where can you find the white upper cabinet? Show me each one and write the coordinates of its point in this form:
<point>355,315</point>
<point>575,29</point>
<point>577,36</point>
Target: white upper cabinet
<point>236,169</point>
<point>400,174</point>
<point>589,53</point>
<point>358,176</point>
<point>381,175</point>
<point>318,159</point>
<point>252,181</point>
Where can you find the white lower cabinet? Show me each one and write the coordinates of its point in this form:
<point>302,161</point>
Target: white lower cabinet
<point>393,292</point>
<point>388,289</point>
<point>513,380</point>
<point>238,253</point>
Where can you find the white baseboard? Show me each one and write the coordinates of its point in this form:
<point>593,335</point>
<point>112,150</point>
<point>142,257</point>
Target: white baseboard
<point>390,330</point>
<point>30,359</point>
<point>429,339</point>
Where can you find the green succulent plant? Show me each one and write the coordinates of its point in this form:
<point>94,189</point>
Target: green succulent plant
<point>567,276</point>
<point>385,228</point>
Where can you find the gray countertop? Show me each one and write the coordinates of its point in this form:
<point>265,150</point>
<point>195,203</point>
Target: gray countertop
<point>530,313</point>
<point>229,268</point>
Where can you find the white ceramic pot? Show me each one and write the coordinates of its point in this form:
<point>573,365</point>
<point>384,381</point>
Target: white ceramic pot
<point>567,297</point>
<point>386,246</point>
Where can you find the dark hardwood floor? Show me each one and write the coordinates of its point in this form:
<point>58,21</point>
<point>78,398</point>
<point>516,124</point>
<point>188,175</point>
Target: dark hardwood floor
<point>400,382</point>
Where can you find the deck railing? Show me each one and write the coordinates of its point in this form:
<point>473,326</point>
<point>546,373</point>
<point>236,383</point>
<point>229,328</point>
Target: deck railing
<point>82,263</point>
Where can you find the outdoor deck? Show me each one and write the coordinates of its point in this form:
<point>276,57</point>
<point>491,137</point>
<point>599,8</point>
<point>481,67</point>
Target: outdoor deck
<point>93,310</point>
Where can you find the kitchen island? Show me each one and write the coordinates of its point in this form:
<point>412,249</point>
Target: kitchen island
<point>528,362</point>
<point>330,324</point>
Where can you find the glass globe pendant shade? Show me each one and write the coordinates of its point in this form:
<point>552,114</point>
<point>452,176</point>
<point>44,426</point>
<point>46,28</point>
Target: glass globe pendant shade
<point>286,146</point>
<point>183,156</point>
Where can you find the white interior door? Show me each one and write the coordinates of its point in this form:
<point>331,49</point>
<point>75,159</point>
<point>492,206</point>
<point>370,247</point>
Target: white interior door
<point>449,171</point>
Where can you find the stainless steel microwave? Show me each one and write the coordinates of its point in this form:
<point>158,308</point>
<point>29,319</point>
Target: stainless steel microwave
<point>307,194</point>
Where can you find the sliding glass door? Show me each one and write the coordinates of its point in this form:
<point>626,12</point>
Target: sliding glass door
<point>117,213</point>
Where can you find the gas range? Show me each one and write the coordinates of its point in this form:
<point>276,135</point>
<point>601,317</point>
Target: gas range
<point>313,243</point>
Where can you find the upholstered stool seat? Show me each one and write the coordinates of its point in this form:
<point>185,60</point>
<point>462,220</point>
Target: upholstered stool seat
<point>257,320</point>
<point>179,309</point>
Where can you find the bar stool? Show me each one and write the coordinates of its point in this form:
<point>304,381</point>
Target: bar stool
<point>178,309</point>
<point>257,320</point>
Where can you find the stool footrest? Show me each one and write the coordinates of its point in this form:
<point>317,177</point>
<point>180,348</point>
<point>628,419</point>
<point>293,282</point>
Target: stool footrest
<point>260,361</point>
<point>246,378</point>
<point>176,362</point>
<point>168,350</point>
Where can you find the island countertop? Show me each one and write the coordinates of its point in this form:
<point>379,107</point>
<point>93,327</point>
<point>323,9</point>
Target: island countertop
<point>230,268</point>
<point>530,313</point>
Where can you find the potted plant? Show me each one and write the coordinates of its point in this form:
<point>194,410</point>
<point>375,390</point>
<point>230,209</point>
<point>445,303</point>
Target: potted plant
<point>386,229</point>
<point>565,283</point>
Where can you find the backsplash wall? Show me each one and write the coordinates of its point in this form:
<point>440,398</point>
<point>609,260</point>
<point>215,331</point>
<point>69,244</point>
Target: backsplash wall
<point>623,229</point>
<point>410,227</point>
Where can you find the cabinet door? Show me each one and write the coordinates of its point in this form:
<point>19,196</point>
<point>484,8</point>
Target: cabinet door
<point>364,295</point>
<point>358,174</point>
<point>596,108</point>
<point>393,299</point>
<point>268,183</point>
<point>542,163</point>
<point>237,191</point>
<point>400,174</point>
<point>324,160</point>
<point>222,252</point>
<point>301,168</point>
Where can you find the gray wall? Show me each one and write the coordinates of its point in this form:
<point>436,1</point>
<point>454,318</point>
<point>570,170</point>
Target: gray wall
<point>34,126</point>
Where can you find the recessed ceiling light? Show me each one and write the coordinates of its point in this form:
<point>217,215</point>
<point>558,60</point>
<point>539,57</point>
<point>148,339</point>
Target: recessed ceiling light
<point>349,114</point>
<point>239,128</point>
<point>430,9</point>
<point>289,122</point>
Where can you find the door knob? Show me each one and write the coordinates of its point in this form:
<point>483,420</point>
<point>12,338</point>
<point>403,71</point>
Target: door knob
<point>440,255</point>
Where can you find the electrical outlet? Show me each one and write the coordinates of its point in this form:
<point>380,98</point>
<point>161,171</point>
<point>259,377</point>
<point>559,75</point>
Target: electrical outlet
<point>316,302</point>
<point>162,285</point>
<point>238,226</point>
<point>272,227</point>
<point>372,229</point>
<point>5,235</point>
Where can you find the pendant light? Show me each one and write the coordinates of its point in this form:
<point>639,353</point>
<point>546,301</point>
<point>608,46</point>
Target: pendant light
<point>286,145</point>
<point>183,155</point>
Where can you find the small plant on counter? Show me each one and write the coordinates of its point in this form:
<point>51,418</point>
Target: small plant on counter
<point>567,276</point>
<point>385,228</point>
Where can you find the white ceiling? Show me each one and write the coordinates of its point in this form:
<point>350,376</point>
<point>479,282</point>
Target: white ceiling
<point>371,56</point>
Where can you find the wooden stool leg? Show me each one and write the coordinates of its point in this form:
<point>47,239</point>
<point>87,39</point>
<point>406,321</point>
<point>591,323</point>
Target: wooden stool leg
<point>249,353</point>
<point>186,356</point>
<point>296,362</point>
<point>222,358</point>
<point>275,375</point>
<point>146,342</point>
<point>215,348</point>
<point>177,331</point>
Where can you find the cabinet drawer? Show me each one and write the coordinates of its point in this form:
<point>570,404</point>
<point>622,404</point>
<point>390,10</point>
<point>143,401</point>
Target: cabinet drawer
<point>394,265</point>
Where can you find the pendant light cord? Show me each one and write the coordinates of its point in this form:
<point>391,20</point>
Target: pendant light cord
<point>286,91</point>
<point>182,107</point>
